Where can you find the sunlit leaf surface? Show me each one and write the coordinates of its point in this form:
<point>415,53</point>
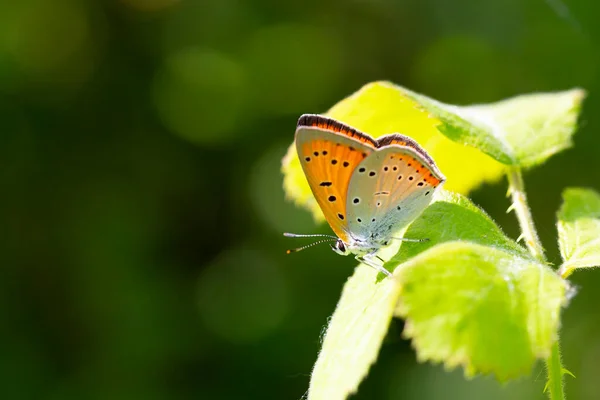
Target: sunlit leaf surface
<point>354,335</point>
<point>579,229</point>
<point>380,108</point>
<point>468,294</point>
<point>479,307</point>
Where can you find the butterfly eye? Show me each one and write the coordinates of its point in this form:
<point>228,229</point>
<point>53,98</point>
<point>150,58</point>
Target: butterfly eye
<point>340,248</point>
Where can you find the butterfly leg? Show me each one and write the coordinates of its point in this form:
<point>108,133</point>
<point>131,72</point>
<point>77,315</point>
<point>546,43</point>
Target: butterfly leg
<point>368,259</point>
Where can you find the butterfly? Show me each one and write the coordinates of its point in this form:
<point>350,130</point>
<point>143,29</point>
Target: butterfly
<point>368,189</point>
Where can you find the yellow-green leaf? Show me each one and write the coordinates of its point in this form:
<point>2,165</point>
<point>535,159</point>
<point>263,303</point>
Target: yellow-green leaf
<point>579,230</point>
<point>453,217</point>
<point>532,127</point>
<point>479,307</point>
<point>468,294</point>
<point>522,131</point>
<point>354,335</point>
<point>380,108</point>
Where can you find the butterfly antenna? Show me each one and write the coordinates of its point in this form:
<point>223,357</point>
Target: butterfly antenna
<point>402,239</point>
<point>295,235</point>
<point>310,245</point>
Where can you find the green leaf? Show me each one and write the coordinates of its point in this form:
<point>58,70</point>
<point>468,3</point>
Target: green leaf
<point>579,230</point>
<point>485,309</point>
<point>470,284</point>
<point>534,126</point>
<point>523,131</point>
<point>458,125</point>
<point>380,108</point>
<point>453,217</point>
<point>354,335</point>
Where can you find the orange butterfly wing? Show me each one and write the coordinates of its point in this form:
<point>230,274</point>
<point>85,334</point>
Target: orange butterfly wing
<point>329,152</point>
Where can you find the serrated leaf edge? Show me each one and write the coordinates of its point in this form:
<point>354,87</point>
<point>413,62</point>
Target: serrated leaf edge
<point>460,360</point>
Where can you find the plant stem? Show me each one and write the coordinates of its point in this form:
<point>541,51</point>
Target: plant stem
<point>555,374</point>
<point>566,270</point>
<point>519,199</point>
<point>554,366</point>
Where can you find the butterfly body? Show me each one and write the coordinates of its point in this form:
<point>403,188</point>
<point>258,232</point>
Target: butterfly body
<point>368,189</point>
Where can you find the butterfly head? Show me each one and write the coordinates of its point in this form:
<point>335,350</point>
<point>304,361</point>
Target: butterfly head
<point>340,247</point>
<point>355,246</point>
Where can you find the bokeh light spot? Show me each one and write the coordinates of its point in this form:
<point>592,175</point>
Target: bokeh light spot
<point>149,5</point>
<point>199,94</point>
<point>242,295</point>
<point>558,56</point>
<point>50,37</point>
<point>212,23</point>
<point>293,67</point>
<point>439,70</point>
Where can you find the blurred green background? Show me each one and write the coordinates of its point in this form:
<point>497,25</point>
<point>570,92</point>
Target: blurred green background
<point>141,212</point>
